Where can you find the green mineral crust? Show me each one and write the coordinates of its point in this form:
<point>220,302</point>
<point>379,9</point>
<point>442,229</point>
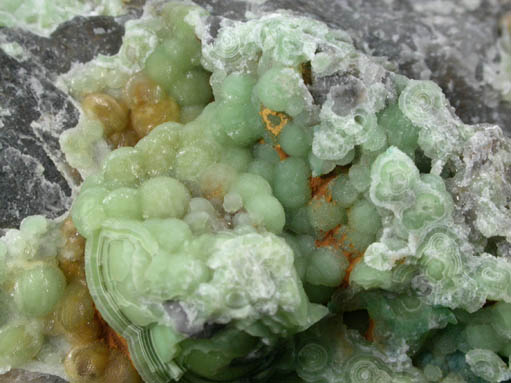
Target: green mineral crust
<point>306,215</point>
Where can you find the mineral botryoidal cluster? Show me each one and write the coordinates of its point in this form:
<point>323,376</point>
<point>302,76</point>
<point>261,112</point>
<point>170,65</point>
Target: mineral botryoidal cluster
<point>235,224</point>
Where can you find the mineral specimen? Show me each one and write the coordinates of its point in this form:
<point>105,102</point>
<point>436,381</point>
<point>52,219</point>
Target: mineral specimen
<point>231,227</point>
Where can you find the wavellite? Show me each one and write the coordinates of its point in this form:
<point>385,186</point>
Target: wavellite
<point>238,230</point>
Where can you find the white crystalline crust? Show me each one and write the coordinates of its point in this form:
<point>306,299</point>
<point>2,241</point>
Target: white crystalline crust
<point>43,17</point>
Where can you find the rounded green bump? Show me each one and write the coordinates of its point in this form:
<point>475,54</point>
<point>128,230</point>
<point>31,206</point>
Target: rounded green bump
<point>295,140</point>
<point>501,313</point>
<point>237,88</point>
<point>164,197</point>
<point>238,158</point>
<point>267,210</point>
<point>159,68</point>
<point>267,153</point>
<point>180,55</point>
<point>19,344</point>
<point>360,177</point>
<point>38,289</point>
<point>433,373</point>
<point>216,180</point>
<point>171,233</point>
<point>439,255</point>
<point>366,369</point>
<point>88,212</point>
<point>282,90</point>
<point>192,88</point>
<point>347,159</point>
<point>250,185</point>
<point>262,168</point>
<point>326,267</point>
<point>232,202</point>
<point>291,182</point>
<point>34,225</point>
<point>324,215</point>
<point>400,130</point>
<point>343,191</point>
<point>240,122</point>
<point>318,166</point>
<point>364,217</point>
<point>123,167</point>
<point>298,221</point>
<point>123,203</point>
<point>393,177</point>
<point>159,148</point>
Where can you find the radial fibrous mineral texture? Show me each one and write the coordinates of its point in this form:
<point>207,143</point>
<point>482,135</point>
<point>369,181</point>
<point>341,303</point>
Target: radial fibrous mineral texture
<point>239,226</point>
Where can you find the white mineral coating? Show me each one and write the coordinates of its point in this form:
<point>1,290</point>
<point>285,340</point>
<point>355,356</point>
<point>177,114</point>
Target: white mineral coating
<point>42,17</point>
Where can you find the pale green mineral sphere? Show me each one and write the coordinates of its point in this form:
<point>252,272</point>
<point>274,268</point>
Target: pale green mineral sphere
<point>240,122</point>
<point>326,267</point>
<point>238,158</point>
<point>159,67</point>
<point>88,212</point>
<point>38,289</point>
<point>171,233</point>
<point>123,167</point>
<point>123,203</point>
<point>262,168</point>
<point>400,130</point>
<point>268,210</point>
<point>360,176</point>
<point>250,185</point>
<point>181,55</point>
<point>168,62</point>
<point>343,191</point>
<point>164,197</point>
<point>299,221</point>
<point>19,344</point>
<point>364,217</point>
<point>192,88</point>
<point>237,87</point>
<point>296,140</point>
<point>266,152</point>
<point>324,215</point>
<point>291,182</point>
<point>280,89</point>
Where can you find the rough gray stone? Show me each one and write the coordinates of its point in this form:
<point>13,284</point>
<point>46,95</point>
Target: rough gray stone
<point>447,41</point>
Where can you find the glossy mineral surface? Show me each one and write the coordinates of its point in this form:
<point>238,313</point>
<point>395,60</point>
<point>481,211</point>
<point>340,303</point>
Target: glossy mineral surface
<point>239,228</point>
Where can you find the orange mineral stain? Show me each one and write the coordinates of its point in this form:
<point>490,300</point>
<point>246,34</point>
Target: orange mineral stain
<point>353,263</point>
<point>274,121</point>
<point>369,335</point>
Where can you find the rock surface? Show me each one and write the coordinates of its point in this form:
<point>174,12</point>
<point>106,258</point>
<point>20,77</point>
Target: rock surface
<point>448,42</point>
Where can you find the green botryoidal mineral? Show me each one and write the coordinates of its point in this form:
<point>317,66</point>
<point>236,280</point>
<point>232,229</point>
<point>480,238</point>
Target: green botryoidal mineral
<point>262,237</point>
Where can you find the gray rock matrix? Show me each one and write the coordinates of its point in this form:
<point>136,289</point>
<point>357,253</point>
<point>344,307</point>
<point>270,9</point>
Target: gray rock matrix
<point>448,41</point>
